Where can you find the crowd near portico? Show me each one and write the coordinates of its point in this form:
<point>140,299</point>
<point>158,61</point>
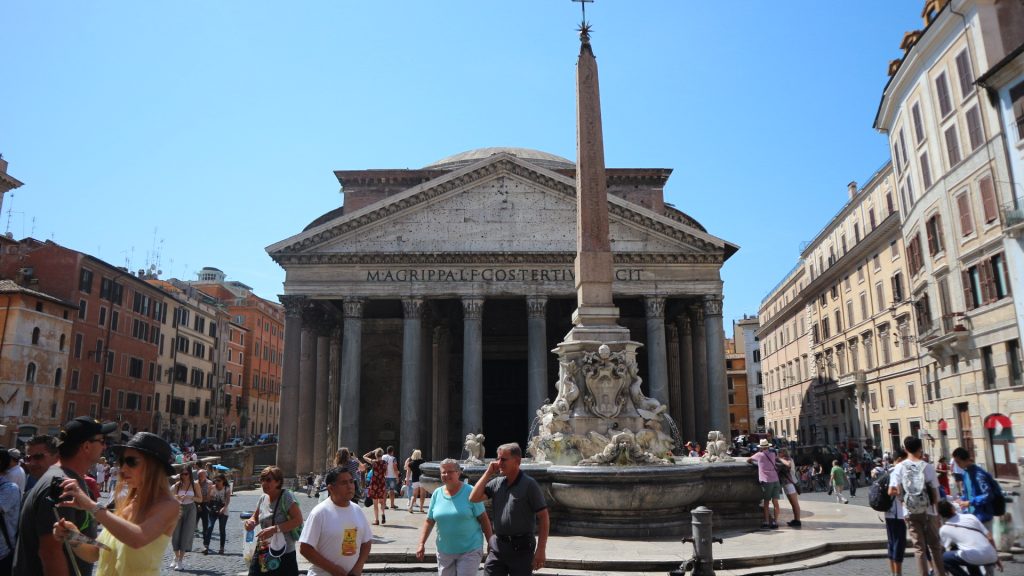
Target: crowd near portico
<point>435,295</point>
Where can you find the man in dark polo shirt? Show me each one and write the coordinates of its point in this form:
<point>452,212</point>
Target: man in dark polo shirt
<point>517,501</point>
<point>80,444</point>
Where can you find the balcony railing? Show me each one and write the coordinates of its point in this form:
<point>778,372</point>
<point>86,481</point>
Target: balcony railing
<point>853,379</point>
<point>1012,214</point>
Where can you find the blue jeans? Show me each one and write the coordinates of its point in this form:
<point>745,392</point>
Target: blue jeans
<point>956,565</point>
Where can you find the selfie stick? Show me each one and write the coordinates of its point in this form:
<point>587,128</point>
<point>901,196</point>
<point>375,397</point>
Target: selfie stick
<point>67,546</point>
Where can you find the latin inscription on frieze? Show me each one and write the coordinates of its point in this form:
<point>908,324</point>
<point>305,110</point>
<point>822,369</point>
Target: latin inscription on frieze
<point>488,275</point>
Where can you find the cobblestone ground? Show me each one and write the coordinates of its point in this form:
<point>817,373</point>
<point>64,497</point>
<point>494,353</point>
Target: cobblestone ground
<point>231,562</point>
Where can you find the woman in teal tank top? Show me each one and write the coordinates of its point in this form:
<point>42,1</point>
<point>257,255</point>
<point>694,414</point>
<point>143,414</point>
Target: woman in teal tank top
<point>134,536</point>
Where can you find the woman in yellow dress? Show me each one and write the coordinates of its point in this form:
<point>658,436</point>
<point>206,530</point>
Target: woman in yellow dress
<point>135,536</point>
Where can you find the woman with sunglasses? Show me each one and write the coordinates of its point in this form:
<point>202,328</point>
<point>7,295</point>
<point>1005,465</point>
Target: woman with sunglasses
<point>217,508</point>
<point>188,493</point>
<point>277,514</point>
<point>135,536</point>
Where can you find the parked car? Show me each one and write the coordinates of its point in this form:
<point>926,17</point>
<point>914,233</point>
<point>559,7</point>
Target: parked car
<point>267,439</point>
<point>235,442</point>
<point>207,443</point>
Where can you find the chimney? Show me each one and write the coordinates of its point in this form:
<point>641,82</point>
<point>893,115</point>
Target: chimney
<point>851,188</point>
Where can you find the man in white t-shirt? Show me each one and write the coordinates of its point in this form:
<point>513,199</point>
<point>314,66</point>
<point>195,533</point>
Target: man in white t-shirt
<point>336,535</point>
<point>922,525</point>
<point>968,543</point>
<point>391,474</point>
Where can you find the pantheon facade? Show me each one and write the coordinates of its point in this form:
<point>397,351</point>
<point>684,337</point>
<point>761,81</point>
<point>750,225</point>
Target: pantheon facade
<point>426,307</point>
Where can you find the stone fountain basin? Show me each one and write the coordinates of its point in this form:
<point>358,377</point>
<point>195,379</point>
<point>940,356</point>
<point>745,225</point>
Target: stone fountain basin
<point>637,501</point>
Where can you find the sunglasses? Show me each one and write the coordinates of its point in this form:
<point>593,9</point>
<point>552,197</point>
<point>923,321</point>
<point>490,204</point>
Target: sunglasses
<point>130,461</point>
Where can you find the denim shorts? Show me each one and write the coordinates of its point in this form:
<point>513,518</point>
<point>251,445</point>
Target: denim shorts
<point>391,484</point>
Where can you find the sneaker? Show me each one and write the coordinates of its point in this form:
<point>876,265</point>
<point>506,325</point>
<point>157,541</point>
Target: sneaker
<point>765,526</point>
<point>794,523</point>
<point>773,525</point>
<point>181,564</point>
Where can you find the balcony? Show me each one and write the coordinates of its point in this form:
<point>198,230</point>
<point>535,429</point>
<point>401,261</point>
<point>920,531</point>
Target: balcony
<point>947,337</point>
<point>852,380</point>
<point>1012,214</point>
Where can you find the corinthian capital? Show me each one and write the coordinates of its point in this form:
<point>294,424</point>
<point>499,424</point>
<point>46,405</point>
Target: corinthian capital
<point>712,305</point>
<point>412,308</point>
<point>293,305</point>
<point>353,307</point>
<point>655,306</point>
<point>536,306</point>
<point>472,308</point>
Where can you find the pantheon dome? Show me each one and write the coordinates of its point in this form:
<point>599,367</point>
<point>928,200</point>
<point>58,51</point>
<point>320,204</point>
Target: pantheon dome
<point>542,159</point>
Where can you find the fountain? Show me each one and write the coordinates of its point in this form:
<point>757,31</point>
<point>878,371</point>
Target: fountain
<point>601,450</point>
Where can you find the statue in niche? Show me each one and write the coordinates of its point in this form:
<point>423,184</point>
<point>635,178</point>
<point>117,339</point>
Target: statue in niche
<point>474,447</point>
<point>717,448</point>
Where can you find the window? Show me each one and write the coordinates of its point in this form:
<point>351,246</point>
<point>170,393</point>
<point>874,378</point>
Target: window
<point>963,207</point>
<point>964,73</point>
<point>933,229</point>
<point>892,397</point>
<point>63,340</point>
<point>926,171</point>
<point>876,262</point>
<point>30,373</point>
<point>986,282</point>
<point>72,410</point>
<point>57,377</point>
<point>988,368</point>
<point>914,260</point>
<point>871,217</point>
<point>860,273</point>
<point>849,312</point>
<point>903,150</point>
<point>911,394</point>
<point>915,113</point>
<point>952,146</point>
<point>74,380</point>
<point>135,366</point>
<point>1017,96</point>
<point>988,199</point>
<point>894,250</point>
<point>825,333</point>
<point>1013,362</point>
<point>83,307</point>
<point>113,320</point>
<point>865,313</point>
<point>78,346</point>
<point>880,295</point>
<point>975,133</point>
<point>942,93</point>
<point>924,313</point>
<point>839,322</point>
<point>883,345</point>
<point>874,401</point>
<point>35,336</point>
<point>103,316</point>
<point>889,204</point>
<point>85,280</point>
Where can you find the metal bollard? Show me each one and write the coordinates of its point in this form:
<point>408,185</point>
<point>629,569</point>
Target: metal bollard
<point>702,563</point>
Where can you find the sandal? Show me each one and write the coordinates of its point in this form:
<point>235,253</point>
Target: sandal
<point>375,523</point>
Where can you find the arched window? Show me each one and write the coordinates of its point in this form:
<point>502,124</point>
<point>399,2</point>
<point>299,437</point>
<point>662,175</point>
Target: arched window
<point>63,338</point>
<point>57,377</point>
<point>30,373</point>
<point>35,335</point>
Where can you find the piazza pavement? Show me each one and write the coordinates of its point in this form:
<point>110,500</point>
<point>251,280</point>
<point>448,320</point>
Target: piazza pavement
<point>835,540</point>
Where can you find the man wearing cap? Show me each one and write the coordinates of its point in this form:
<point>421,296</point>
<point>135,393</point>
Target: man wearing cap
<point>80,444</point>
<point>768,476</point>
<point>16,473</point>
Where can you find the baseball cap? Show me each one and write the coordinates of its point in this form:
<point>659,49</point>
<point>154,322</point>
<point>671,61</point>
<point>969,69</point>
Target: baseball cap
<point>83,428</point>
<point>15,454</point>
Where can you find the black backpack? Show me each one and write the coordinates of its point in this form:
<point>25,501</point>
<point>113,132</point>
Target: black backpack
<point>878,494</point>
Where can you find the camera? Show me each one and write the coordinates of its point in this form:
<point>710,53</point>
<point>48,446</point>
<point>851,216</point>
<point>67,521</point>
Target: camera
<point>55,491</point>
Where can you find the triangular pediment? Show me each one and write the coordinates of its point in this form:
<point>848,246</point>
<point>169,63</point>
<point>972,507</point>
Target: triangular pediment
<point>502,204</point>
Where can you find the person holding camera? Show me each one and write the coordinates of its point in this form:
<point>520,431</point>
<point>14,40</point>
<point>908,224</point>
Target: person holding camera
<point>80,444</point>
<point>135,536</point>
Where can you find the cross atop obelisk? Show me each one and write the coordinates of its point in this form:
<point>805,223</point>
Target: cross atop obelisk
<point>593,247</point>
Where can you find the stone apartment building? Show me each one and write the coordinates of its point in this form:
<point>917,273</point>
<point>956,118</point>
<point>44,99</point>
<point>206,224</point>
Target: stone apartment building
<point>747,328</point>
<point>35,335</point>
<point>263,341</point>
<point>951,165</point>
<point>736,383</point>
<point>112,362</point>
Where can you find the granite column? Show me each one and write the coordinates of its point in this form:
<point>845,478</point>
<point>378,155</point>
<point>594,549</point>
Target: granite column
<point>351,374</point>
<point>412,328</point>
<point>472,366</point>
<point>657,365</point>
<point>307,399</point>
<point>537,351</point>
<point>333,390</point>
<point>688,411</point>
<point>323,353</point>
<point>674,383</point>
<point>288,437</point>
<point>718,393</point>
<point>701,421</point>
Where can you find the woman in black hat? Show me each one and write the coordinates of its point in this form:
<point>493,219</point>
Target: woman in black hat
<point>135,536</point>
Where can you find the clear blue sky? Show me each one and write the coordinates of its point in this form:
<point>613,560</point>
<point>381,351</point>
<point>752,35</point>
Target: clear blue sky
<point>206,131</point>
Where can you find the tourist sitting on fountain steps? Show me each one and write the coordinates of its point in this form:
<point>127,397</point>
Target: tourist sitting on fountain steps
<point>511,548</point>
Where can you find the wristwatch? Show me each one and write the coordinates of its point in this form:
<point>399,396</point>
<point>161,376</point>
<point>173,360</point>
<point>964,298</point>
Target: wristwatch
<point>97,508</point>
